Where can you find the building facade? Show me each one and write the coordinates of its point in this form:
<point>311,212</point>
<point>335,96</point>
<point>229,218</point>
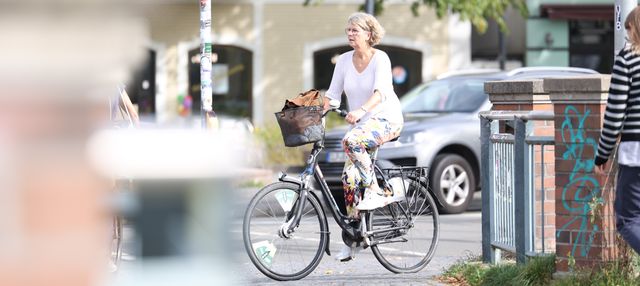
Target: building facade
<point>577,33</point>
<point>265,51</point>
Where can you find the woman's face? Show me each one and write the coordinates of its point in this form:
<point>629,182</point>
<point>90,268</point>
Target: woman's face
<point>630,29</point>
<point>358,38</point>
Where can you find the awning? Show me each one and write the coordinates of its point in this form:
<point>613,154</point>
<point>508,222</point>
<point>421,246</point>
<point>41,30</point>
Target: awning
<point>577,12</point>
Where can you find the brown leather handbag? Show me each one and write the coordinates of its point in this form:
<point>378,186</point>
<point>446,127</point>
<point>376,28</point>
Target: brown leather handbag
<point>301,119</point>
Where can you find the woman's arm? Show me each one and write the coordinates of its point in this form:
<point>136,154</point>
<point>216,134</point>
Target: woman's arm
<point>615,110</point>
<point>337,83</point>
<point>384,78</point>
<point>371,103</point>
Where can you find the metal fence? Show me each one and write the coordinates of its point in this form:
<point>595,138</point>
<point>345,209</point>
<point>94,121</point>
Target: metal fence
<point>509,220</point>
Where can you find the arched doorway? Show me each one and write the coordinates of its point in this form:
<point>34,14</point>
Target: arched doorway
<point>142,87</point>
<point>406,65</point>
<point>232,71</point>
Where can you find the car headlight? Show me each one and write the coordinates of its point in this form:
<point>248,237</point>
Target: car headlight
<point>413,137</point>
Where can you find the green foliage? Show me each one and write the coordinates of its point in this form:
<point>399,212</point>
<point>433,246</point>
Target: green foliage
<point>595,208</point>
<point>538,271</point>
<point>572,260</point>
<point>251,183</point>
<point>613,274</point>
<point>478,12</point>
<point>276,154</point>
<point>465,273</point>
<point>334,120</point>
<point>502,275</point>
<point>377,7</point>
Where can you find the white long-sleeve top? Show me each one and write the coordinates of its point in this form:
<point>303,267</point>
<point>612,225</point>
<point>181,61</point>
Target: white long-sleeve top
<point>359,87</point>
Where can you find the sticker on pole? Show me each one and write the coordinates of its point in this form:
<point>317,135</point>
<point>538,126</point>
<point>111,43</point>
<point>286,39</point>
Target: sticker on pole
<point>286,198</point>
<point>618,18</point>
<point>265,251</point>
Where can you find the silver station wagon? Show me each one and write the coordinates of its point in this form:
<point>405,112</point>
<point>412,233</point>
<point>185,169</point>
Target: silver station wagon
<point>441,131</point>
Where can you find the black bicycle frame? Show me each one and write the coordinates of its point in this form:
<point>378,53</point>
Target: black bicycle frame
<point>342,220</point>
<point>339,217</point>
<point>312,169</point>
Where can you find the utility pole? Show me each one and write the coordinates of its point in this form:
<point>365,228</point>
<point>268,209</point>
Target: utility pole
<point>209,119</point>
<point>368,7</point>
<point>502,50</point>
<point>502,46</point>
<point>620,12</point>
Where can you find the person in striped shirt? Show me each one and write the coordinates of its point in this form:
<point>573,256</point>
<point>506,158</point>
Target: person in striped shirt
<point>622,120</point>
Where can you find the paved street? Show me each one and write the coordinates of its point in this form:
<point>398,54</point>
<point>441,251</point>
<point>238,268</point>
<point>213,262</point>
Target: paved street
<point>460,236</point>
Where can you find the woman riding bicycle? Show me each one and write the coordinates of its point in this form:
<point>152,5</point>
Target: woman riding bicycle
<point>364,74</point>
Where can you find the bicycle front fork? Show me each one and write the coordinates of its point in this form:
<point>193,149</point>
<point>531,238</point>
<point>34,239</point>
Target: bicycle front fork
<point>292,223</point>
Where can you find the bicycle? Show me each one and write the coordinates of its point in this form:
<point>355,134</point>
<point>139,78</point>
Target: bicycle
<point>285,229</point>
<point>121,115</point>
<point>116,241</point>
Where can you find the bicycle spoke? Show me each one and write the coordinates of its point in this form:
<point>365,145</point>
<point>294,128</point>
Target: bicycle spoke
<point>310,210</point>
<point>266,214</point>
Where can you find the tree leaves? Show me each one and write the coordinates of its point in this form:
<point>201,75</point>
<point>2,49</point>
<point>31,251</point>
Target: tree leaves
<point>478,12</point>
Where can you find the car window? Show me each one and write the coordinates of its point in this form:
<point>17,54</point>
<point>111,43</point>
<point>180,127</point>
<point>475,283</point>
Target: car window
<point>461,95</point>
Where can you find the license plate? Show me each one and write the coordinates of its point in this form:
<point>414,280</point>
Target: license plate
<point>335,157</point>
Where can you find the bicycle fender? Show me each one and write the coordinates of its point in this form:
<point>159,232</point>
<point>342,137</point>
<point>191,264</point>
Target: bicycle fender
<point>289,179</point>
<point>384,164</point>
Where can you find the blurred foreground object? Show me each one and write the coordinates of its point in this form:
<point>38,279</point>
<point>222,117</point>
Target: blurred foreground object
<point>183,201</point>
<point>59,63</point>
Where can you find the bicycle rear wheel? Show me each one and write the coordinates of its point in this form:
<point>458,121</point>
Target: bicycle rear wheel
<point>410,248</point>
<point>275,255</point>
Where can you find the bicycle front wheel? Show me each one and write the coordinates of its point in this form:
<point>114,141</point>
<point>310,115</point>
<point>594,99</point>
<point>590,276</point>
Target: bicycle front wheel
<point>411,245</point>
<point>284,257</point>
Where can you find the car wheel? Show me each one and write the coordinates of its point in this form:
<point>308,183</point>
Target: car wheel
<point>452,182</point>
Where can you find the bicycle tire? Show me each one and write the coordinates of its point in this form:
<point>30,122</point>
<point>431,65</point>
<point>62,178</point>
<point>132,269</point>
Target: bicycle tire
<point>255,232</point>
<point>421,206</point>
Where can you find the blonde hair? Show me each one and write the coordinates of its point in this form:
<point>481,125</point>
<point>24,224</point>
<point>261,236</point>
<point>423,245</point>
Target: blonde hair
<point>632,24</point>
<point>369,24</point>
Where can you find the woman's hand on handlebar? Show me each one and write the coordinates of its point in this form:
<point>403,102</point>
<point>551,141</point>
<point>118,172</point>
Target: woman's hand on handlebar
<point>354,116</point>
<point>326,106</point>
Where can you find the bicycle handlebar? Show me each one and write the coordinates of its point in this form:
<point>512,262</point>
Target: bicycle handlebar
<point>341,112</point>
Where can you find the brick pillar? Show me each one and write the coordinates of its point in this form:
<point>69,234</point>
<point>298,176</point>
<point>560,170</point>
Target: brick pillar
<point>517,95</point>
<point>584,220</point>
<point>529,95</point>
